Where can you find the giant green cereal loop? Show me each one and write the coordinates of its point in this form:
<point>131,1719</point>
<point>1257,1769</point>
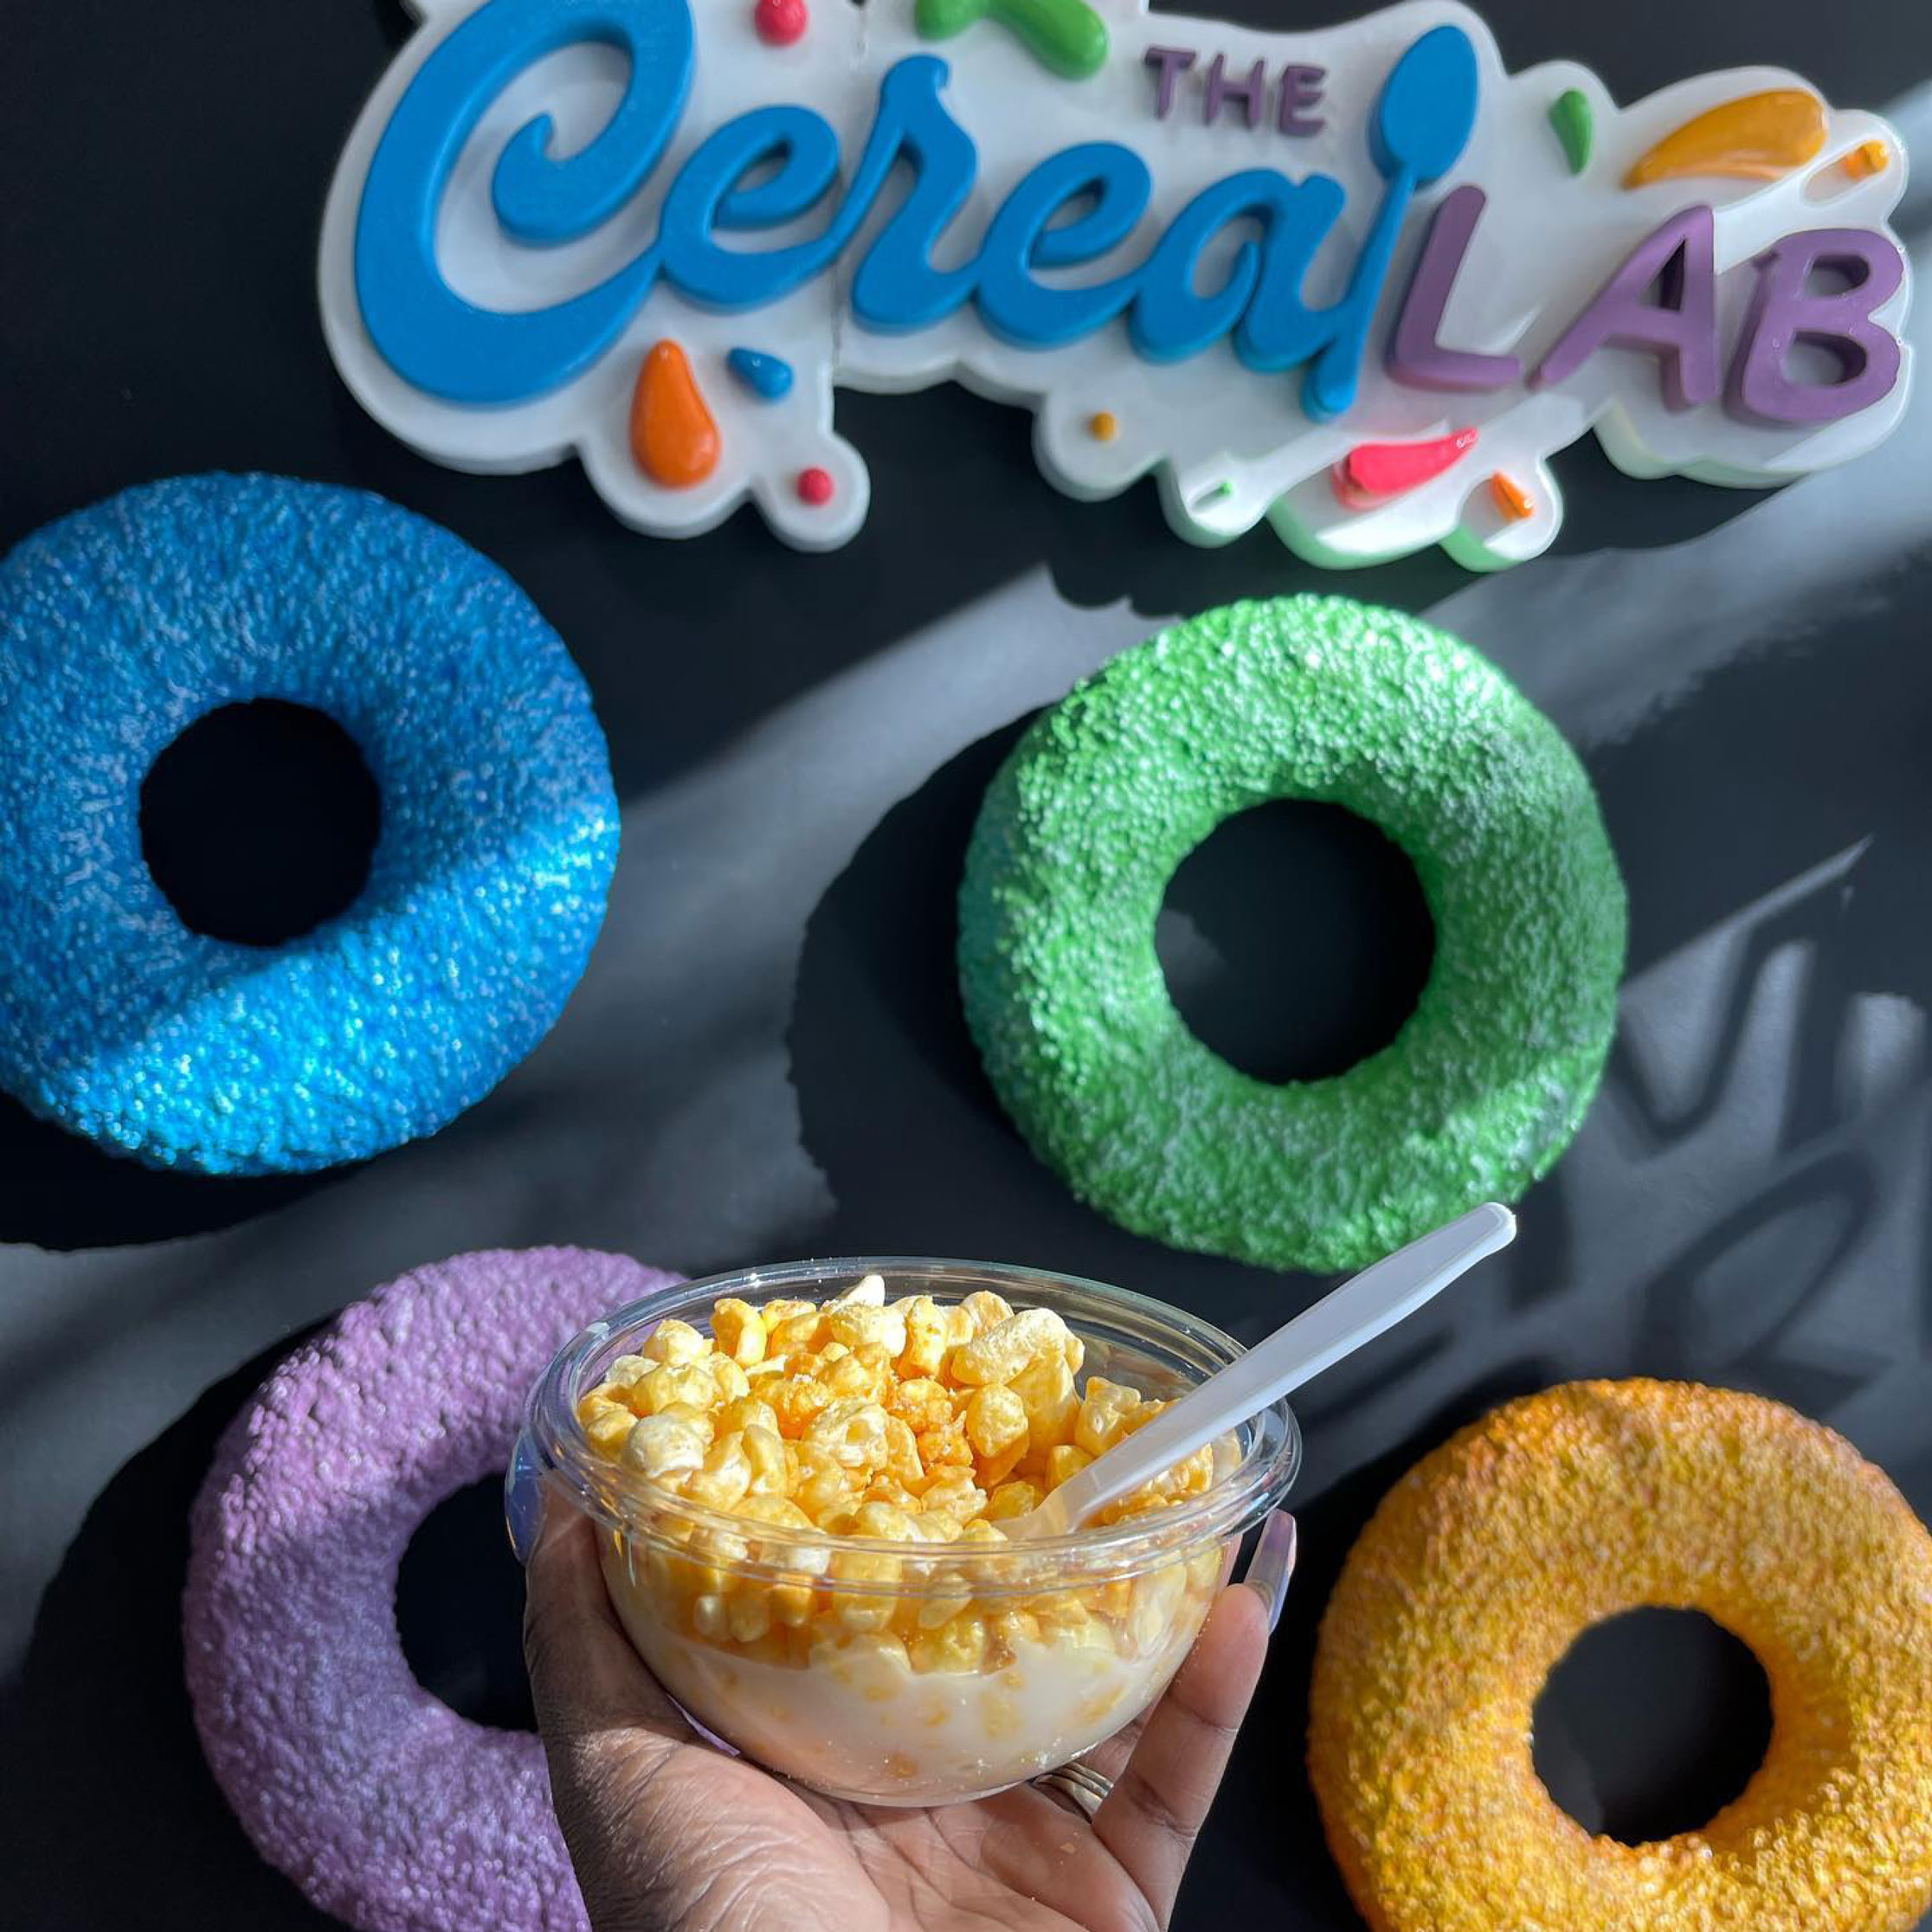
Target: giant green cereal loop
<point>1316,698</point>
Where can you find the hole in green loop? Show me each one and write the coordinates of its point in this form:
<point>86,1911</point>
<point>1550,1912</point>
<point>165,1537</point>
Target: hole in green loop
<point>1295,940</point>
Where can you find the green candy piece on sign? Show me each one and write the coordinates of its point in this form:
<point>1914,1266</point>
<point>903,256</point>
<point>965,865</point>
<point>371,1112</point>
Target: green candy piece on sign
<point>1089,817</point>
<point>1569,114</point>
<point>1066,36</point>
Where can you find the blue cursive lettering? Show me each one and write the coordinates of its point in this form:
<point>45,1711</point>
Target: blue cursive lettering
<point>777,163</point>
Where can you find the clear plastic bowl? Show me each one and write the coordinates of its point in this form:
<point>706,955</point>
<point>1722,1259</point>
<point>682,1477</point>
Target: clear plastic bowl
<point>896,1674</point>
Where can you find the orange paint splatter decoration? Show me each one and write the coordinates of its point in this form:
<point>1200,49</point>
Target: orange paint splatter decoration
<point>1758,138</point>
<point>1869,157</point>
<point>672,432</point>
<point>1511,498</point>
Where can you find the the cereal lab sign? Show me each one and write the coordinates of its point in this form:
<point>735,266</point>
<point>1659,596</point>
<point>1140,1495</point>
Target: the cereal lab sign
<point>1361,282</point>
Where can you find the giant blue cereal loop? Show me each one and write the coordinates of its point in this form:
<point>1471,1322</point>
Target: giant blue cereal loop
<point>122,625</point>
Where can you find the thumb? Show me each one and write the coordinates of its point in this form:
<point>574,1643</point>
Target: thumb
<point>585,1677</point>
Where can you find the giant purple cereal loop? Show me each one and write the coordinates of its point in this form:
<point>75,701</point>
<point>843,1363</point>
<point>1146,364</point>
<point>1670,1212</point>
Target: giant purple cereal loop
<point>387,1808</point>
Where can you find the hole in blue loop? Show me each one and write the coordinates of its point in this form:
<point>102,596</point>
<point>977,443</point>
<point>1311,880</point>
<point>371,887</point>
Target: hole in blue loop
<point>259,822</point>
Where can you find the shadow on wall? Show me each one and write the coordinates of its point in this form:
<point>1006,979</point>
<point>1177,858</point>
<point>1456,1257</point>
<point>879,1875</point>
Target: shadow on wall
<point>102,1686</point>
<point>1265,1837</point>
<point>893,1104</point>
<point>897,1112</point>
<point>685,644</point>
<point>100,1709</point>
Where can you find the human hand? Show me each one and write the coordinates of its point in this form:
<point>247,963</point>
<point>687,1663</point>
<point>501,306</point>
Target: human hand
<point>668,1834</point>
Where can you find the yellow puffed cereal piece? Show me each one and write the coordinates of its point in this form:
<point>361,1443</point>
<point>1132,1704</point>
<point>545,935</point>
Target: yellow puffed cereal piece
<point>987,1309</point>
<point>852,1375</point>
<point>1012,1499</point>
<point>928,1336</point>
<point>862,1583</point>
<point>601,1398</point>
<point>922,1403</point>
<point>725,1477</point>
<point>806,1332</point>
<point>959,1644</point>
<point>678,1581</point>
<point>886,1489</point>
<point>1157,1597</point>
<point>1204,1568</point>
<point>884,1523</point>
<point>1046,1390</point>
<point>608,1429</point>
<point>662,1445</point>
<point>995,1422</point>
<point>778,1509</point>
<point>1104,1410</point>
<point>795,1401</point>
<point>863,1655</point>
<point>1064,1460</point>
<point>824,1488</point>
<point>1008,1628</point>
<point>749,1613</point>
<point>694,1418</point>
<point>738,1332</point>
<point>689,1384</point>
<point>851,1431</point>
<point>958,1497</point>
<point>1003,1350</point>
<point>948,1597</point>
<point>774,1313</point>
<point>1065,1619</point>
<point>627,1369</point>
<point>859,1325</point>
<point>868,1292</point>
<point>903,1464</point>
<point>675,1340</point>
<point>731,1381</point>
<point>765,1456</point>
<point>945,1451</point>
<point>749,1411</point>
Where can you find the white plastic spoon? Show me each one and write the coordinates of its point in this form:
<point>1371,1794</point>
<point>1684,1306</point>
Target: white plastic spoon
<point>1316,1339</point>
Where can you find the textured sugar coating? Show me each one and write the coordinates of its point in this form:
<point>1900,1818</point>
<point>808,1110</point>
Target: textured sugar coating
<point>387,1808</point>
<point>1494,1553</point>
<point>122,625</point>
<point>1083,828</point>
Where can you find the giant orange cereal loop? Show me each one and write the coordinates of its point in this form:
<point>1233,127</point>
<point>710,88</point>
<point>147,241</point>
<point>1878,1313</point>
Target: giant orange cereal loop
<point>1494,1553</point>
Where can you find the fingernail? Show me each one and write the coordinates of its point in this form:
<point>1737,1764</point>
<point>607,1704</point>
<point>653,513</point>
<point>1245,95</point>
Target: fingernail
<point>1272,1564</point>
<point>523,1500</point>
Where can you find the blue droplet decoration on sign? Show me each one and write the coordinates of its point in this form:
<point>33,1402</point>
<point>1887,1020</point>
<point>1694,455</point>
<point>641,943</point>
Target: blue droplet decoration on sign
<point>769,377</point>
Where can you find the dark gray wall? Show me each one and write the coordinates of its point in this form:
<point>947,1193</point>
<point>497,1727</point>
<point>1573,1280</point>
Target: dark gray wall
<point>766,1057</point>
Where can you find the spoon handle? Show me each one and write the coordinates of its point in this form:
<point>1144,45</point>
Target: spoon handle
<point>1335,1326</point>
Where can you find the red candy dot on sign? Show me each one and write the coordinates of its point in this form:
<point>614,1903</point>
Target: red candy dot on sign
<point>815,486</point>
<point>780,23</point>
